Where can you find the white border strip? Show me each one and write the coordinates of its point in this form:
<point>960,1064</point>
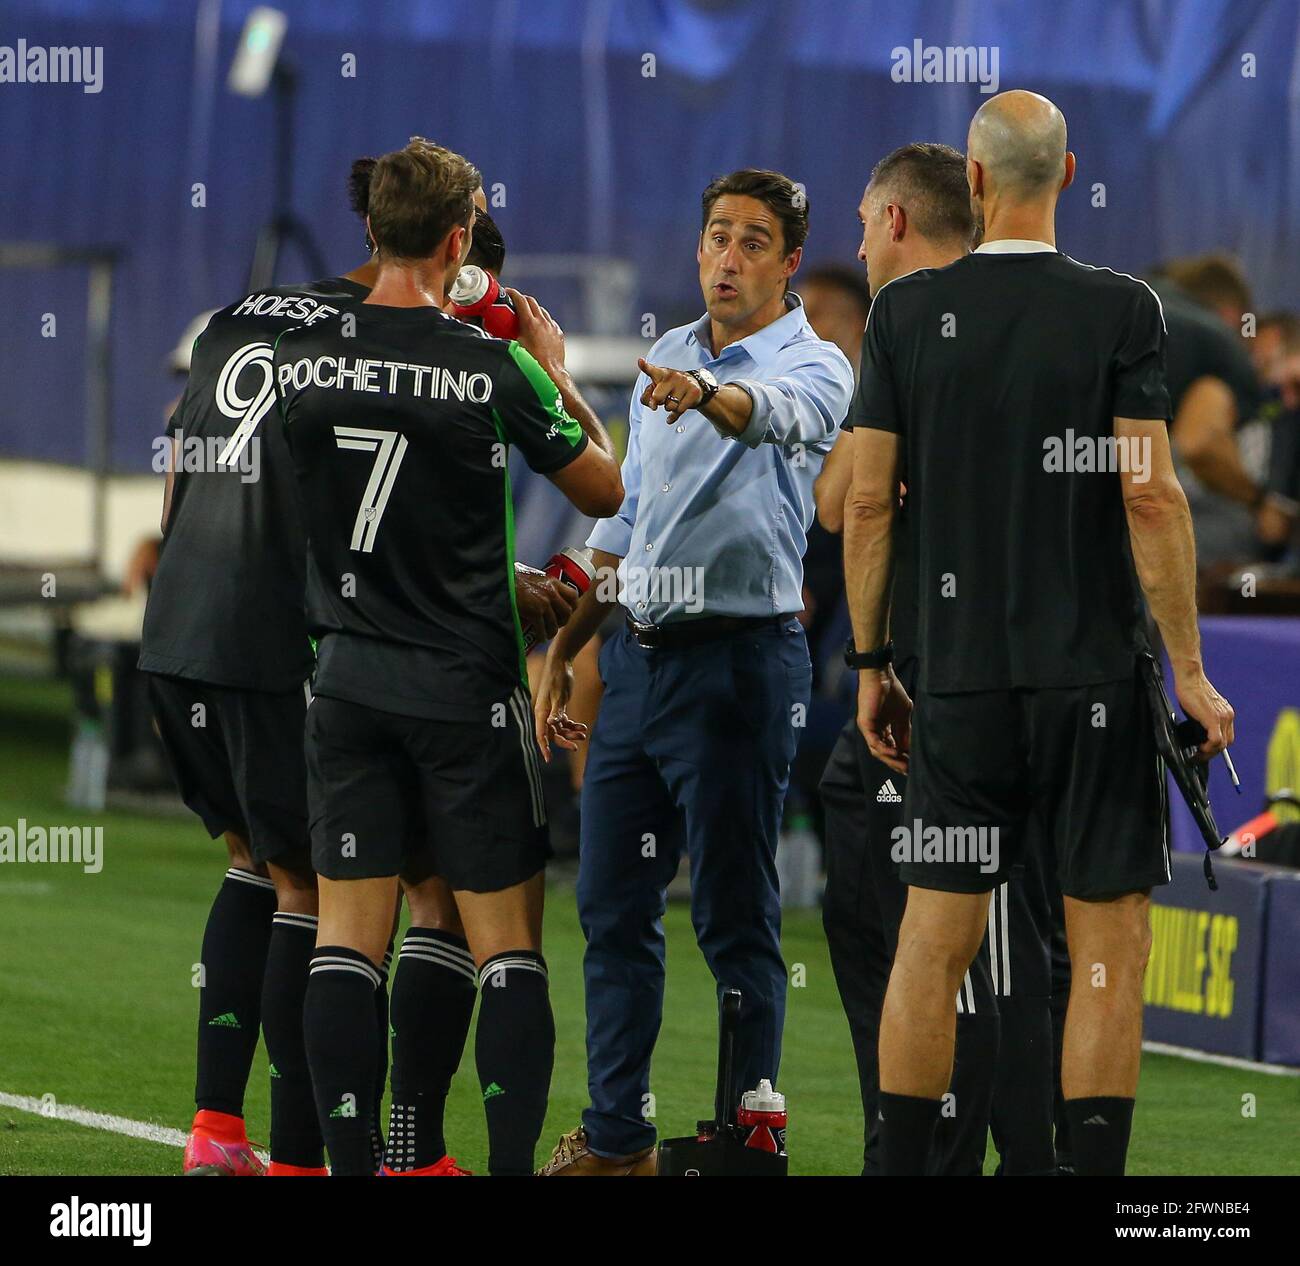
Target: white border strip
<point>146,1130</point>
<point>1227,1061</point>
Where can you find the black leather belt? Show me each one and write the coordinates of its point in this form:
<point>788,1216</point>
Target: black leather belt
<point>657,637</point>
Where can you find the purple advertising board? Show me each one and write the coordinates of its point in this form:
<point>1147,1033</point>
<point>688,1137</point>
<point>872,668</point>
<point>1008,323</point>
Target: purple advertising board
<point>1254,662</point>
<point>1280,1029</point>
<point>1203,981</point>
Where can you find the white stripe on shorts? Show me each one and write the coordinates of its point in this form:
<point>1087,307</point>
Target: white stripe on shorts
<point>966,996</point>
<point>523,714</point>
<point>1006,944</point>
<point>993,938</point>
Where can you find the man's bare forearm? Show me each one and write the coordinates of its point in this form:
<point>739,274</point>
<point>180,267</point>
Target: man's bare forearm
<point>592,608</point>
<point>1205,436</point>
<point>831,487</point>
<point>1217,464</point>
<point>1164,554</point>
<point>868,569</point>
<point>580,410</point>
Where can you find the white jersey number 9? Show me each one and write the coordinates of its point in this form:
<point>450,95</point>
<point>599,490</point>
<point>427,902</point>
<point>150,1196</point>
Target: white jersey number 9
<point>249,410</point>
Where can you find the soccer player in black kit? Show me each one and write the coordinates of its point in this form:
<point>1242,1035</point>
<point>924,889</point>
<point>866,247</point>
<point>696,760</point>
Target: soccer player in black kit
<point>1029,699</point>
<point>419,746</point>
<point>226,644</point>
<point>225,640</point>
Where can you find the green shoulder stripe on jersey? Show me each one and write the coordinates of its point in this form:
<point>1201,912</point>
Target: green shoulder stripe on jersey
<point>510,550</point>
<point>548,394</point>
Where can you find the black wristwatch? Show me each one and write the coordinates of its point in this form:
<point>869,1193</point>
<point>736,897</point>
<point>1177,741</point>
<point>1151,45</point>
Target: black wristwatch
<point>882,658</point>
<point>706,382</point>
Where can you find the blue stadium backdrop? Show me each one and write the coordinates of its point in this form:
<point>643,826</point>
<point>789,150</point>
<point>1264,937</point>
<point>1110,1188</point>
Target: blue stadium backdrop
<point>552,98</point>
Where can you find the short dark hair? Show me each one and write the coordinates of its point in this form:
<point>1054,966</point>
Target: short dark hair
<point>928,181</point>
<point>359,185</point>
<point>1211,279</point>
<point>417,196</point>
<point>850,282</point>
<point>488,249</point>
<point>786,200</point>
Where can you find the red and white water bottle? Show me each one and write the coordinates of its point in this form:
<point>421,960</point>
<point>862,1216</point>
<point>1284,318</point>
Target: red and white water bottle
<point>572,567</point>
<point>476,296</point>
<point>762,1114</point>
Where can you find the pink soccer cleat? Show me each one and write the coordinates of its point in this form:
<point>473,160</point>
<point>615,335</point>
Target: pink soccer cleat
<point>218,1147</point>
<point>445,1168</point>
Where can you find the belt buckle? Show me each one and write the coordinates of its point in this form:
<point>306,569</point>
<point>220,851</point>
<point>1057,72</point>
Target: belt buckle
<point>649,636</point>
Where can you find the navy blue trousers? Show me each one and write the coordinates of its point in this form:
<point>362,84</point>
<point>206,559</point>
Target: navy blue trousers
<point>692,749</point>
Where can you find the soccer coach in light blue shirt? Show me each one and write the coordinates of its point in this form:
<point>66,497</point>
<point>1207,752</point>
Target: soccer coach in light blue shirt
<point>707,685</point>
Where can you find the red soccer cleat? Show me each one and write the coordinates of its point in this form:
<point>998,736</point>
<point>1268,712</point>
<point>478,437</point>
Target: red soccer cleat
<point>445,1168</point>
<point>218,1147</point>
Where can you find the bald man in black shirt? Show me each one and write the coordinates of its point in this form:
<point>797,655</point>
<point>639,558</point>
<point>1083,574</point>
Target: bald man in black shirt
<point>1017,384</point>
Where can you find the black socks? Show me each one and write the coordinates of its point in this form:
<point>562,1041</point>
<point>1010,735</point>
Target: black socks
<point>431,1008</point>
<point>295,1131</point>
<point>343,1053</point>
<point>1099,1131</point>
<point>514,1050</point>
<point>432,1004</point>
<point>381,1071</point>
<point>233,961</point>
<point>907,1126</point>
<point>961,1135</point>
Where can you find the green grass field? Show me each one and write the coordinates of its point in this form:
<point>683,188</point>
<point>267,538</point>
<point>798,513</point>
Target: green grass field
<point>97,1009</point>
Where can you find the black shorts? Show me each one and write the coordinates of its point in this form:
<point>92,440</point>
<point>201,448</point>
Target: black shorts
<point>1079,763</point>
<point>237,758</point>
<point>865,898</point>
<point>399,795</point>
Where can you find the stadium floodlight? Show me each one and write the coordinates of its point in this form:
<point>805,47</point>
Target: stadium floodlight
<point>259,50</point>
<point>257,66</point>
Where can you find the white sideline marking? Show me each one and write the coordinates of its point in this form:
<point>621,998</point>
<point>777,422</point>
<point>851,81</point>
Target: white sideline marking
<point>95,1120</point>
<point>176,1138</point>
<point>1227,1061</point>
<point>98,1120</point>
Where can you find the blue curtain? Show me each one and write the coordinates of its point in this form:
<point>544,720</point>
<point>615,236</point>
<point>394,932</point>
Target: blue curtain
<point>601,120</point>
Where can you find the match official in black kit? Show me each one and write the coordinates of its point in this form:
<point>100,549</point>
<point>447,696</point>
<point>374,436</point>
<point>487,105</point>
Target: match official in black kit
<point>1022,395</point>
<point>420,754</point>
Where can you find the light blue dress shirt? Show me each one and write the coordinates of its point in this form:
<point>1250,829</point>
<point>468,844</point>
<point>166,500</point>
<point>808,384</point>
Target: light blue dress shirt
<point>712,526</point>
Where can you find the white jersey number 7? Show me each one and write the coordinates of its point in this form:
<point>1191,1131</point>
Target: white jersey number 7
<point>389,448</point>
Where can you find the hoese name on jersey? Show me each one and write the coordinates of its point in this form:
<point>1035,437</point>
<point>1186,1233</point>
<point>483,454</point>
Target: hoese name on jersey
<point>429,382</point>
<point>292,307</point>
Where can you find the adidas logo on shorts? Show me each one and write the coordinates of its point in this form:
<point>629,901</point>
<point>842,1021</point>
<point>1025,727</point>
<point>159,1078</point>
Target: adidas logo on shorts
<point>888,794</point>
